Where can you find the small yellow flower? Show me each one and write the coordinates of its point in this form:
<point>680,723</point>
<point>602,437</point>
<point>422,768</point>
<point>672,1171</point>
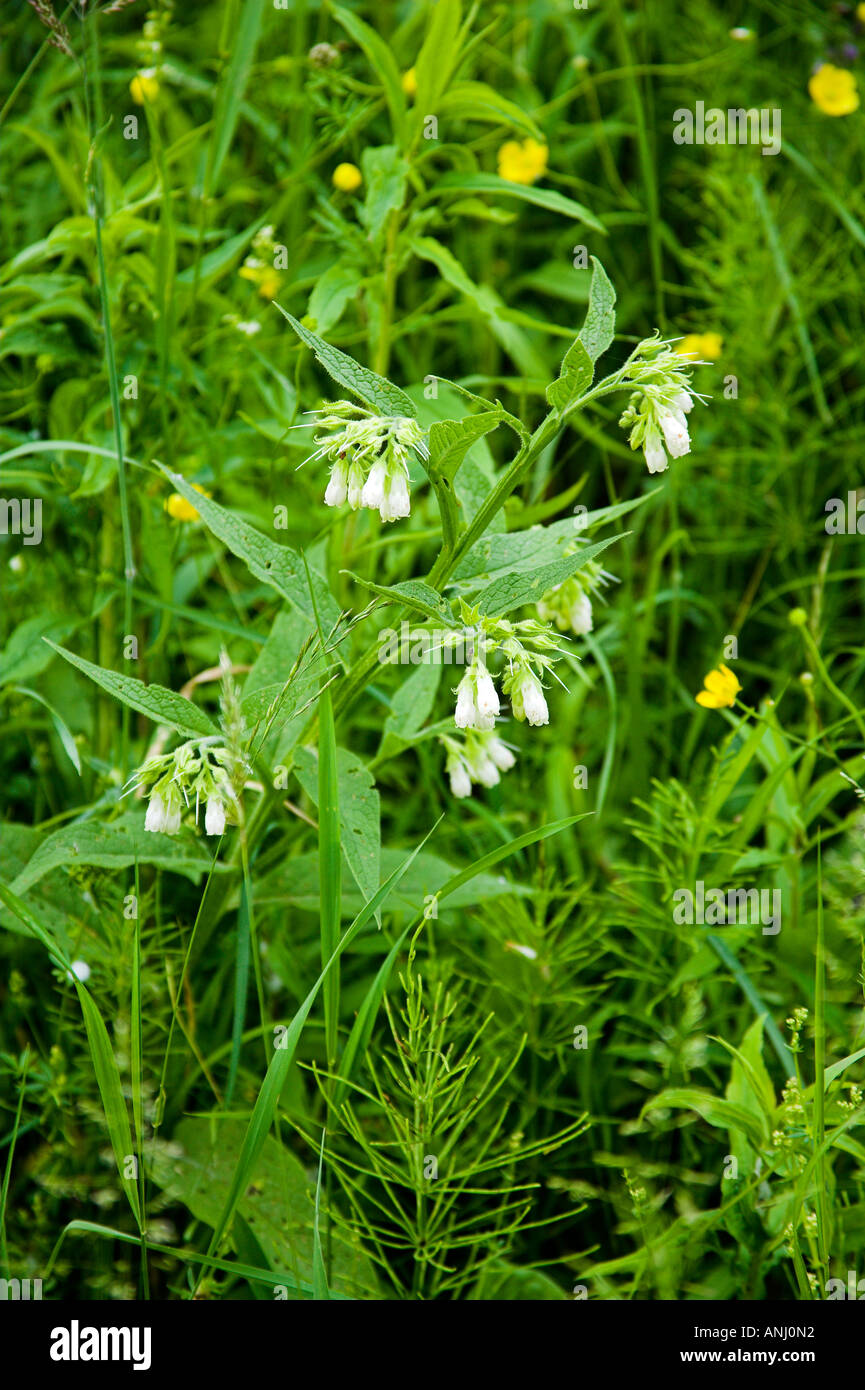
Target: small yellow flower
<point>721,689</point>
<point>269,284</point>
<point>860,13</point>
<point>144,87</point>
<point>178,507</point>
<point>834,90</point>
<point>522,161</point>
<point>347,177</point>
<point>701,345</point>
<point>409,83</point>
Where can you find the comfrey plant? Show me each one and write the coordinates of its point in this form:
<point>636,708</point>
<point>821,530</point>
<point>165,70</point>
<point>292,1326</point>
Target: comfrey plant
<point>476,586</point>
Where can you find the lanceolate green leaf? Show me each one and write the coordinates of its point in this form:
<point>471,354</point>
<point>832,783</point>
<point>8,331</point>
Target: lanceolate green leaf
<point>528,193</point>
<point>595,336</point>
<point>163,706</point>
<point>277,565</point>
<point>375,391</point>
<point>513,590</point>
<point>410,593</point>
<point>477,101</point>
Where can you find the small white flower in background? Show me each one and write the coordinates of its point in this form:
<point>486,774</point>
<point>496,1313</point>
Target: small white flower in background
<point>656,413</point>
<point>79,970</point>
<point>369,457</point>
<point>481,758</point>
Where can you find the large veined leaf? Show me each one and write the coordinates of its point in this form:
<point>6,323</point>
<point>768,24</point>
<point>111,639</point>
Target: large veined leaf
<point>277,565</point>
<point>375,391</point>
<point>162,705</point>
<point>118,845</point>
<point>503,553</point>
<point>514,590</point>
<point>278,1206</point>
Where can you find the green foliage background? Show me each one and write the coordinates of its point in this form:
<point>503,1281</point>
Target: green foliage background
<point>604,1169</point>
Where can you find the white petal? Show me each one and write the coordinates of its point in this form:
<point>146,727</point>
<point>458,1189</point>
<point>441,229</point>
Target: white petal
<point>486,699</point>
<point>500,754</point>
<point>214,817</point>
<point>683,401</point>
<point>461,784</point>
<point>373,489</point>
<point>155,818</point>
<point>656,459</point>
<point>581,615</point>
<point>534,703</point>
<point>675,431</point>
<point>355,487</point>
<point>486,772</point>
<point>336,491</point>
<point>465,715</point>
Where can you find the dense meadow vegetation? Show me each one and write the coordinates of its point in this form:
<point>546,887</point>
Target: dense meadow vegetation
<point>432,652</point>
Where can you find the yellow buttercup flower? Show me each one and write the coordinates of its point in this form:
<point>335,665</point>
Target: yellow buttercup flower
<point>721,689</point>
<point>860,13</point>
<point>347,177</point>
<point>409,83</point>
<point>834,90</point>
<point>144,86</point>
<point>522,161</point>
<point>178,507</point>
<point>701,345</point>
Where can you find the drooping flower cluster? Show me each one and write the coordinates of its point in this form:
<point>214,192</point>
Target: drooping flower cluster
<point>195,774</point>
<point>481,757</point>
<point>656,414</point>
<point>369,457</point>
<point>528,651</point>
<point>569,604</point>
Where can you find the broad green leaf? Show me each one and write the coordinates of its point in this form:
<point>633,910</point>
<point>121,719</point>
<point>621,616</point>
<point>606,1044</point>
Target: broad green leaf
<point>411,706</point>
<point>541,197</point>
<point>278,1205</point>
<point>277,565</point>
<point>514,590</point>
<point>450,440</point>
<point>509,551</point>
<point>375,391</point>
<point>161,705</point>
<point>118,845</point>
